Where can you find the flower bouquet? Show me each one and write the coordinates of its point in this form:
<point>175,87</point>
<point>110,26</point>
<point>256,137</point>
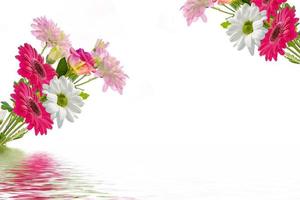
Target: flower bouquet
<point>44,93</point>
<point>269,25</point>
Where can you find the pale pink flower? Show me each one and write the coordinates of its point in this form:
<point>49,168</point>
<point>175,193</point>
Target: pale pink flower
<point>193,9</point>
<point>49,33</point>
<point>112,74</point>
<point>100,49</point>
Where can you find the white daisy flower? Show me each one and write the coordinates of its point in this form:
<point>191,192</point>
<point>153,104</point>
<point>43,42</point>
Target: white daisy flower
<point>247,27</point>
<point>63,100</point>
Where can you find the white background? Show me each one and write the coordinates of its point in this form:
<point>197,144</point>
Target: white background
<point>198,119</point>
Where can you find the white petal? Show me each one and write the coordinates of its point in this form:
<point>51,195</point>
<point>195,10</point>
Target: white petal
<point>236,36</point>
<point>76,100</point>
<point>74,108</point>
<point>51,107</point>
<point>241,44</point>
<point>61,115</point>
<point>258,24</point>
<point>250,44</point>
<point>52,97</point>
<point>70,117</point>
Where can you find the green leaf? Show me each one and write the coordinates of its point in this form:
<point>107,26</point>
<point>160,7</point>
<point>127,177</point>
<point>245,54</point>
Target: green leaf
<point>72,76</point>
<point>226,24</point>
<point>6,106</point>
<point>246,1</point>
<point>62,67</point>
<point>84,95</point>
<point>235,4</point>
<point>43,98</point>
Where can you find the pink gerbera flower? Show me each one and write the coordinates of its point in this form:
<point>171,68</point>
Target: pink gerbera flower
<point>112,73</point>
<point>33,68</point>
<point>271,6</point>
<point>28,106</point>
<point>282,31</point>
<point>81,62</point>
<point>48,32</point>
<point>193,9</point>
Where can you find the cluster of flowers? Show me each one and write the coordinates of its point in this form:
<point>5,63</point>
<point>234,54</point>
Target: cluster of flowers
<point>43,93</point>
<point>270,25</point>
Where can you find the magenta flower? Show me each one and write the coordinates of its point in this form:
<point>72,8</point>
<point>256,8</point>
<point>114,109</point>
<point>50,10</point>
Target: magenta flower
<point>112,74</point>
<point>48,32</point>
<point>193,9</point>
<point>81,62</point>
<point>271,6</point>
<point>28,106</point>
<point>282,31</point>
<point>33,68</point>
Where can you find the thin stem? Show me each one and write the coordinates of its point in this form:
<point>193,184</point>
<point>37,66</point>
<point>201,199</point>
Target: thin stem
<point>15,136</point>
<point>12,131</point>
<point>228,8</point>
<point>43,50</point>
<point>11,128</point>
<point>11,121</point>
<point>223,11</point>
<point>86,82</point>
<point>296,47</point>
<point>295,53</point>
<point>6,120</point>
<point>80,79</point>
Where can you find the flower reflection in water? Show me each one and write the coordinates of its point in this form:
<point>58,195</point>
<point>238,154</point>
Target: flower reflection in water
<point>40,177</point>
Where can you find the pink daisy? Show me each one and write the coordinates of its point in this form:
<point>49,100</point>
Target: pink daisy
<point>271,6</point>
<point>282,31</point>
<point>81,62</point>
<point>193,9</point>
<point>48,32</point>
<point>31,109</point>
<point>33,68</point>
<point>100,49</point>
<point>112,73</point>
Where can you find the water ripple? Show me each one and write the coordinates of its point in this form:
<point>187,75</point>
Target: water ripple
<point>40,176</point>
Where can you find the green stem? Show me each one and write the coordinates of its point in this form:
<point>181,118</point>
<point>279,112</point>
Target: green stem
<point>43,50</point>
<point>296,46</point>
<point>223,11</point>
<point>6,120</point>
<point>10,134</point>
<point>13,131</point>
<point>228,8</point>
<point>11,128</point>
<point>80,79</point>
<point>294,52</point>
<point>11,121</point>
<point>86,82</point>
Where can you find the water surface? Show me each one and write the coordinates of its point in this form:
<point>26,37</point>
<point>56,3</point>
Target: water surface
<point>41,176</point>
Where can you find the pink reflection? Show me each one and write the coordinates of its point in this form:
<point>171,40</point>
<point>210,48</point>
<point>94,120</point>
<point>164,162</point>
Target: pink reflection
<point>32,179</point>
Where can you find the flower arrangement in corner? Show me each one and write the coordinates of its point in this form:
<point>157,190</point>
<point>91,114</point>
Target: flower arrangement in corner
<point>268,25</point>
<point>45,94</point>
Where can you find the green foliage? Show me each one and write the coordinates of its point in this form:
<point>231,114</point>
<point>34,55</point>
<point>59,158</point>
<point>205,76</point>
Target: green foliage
<point>43,98</point>
<point>235,4</point>
<point>6,106</point>
<point>84,95</point>
<point>62,67</point>
<point>226,24</point>
<point>246,1</point>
